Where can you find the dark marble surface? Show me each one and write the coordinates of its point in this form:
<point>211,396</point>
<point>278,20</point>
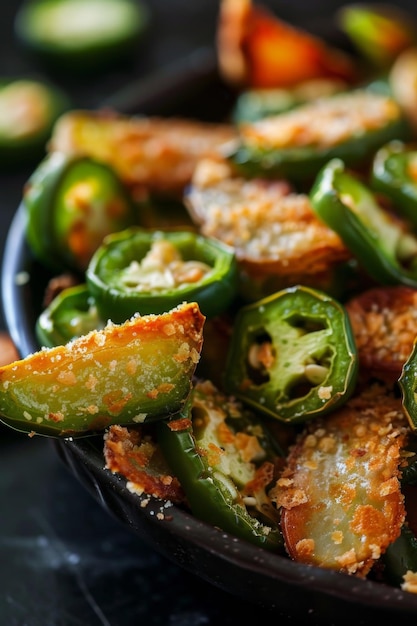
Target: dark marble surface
<point>64,561</point>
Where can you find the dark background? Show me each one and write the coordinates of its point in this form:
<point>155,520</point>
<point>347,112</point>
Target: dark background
<point>63,560</point>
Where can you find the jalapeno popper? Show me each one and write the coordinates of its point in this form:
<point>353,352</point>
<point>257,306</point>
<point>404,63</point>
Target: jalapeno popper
<point>134,453</point>
<point>132,373</point>
<point>225,462</point>
<point>296,144</point>
<point>384,323</point>
<point>340,498</point>
<point>277,239</point>
<point>149,154</point>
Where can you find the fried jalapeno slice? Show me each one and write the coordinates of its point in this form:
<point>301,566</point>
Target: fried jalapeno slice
<point>384,322</point>
<point>382,243</point>
<point>277,238</point>
<point>225,461</point>
<point>124,374</point>
<point>149,154</point>
<point>297,144</point>
<point>292,355</point>
<point>340,498</point>
<point>134,453</point>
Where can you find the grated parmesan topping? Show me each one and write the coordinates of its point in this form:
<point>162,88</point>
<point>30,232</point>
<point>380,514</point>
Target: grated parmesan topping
<point>323,123</point>
<point>262,220</point>
<point>162,268</point>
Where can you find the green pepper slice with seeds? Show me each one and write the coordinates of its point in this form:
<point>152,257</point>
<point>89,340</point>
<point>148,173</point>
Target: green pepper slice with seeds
<point>72,313</point>
<point>145,271</point>
<point>292,355</point>
<point>394,173</point>
<point>224,459</point>
<point>382,244</point>
<point>71,204</point>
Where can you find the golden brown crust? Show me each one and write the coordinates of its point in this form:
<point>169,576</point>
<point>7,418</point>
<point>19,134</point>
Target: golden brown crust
<point>273,230</point>
<point>322,123</point>
<point>108,375</point>
<point>340,494</point>
<point>384,322</point>
<point>149,154</point>
<point>138,458</point>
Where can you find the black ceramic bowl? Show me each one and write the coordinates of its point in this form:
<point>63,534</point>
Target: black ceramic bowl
<point>310,594</point>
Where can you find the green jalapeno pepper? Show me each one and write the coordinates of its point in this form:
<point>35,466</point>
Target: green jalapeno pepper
<point>29,108</point>
<point>394,173</point>
<point>81,35</point>
<point>292,355</point>
<point>296,144</point>
<point>400,557</point>
<point>409,471</point>
<point>378,32</point>
<point>71,313</point>
<point>254,104</point>
<point>71,203</point>
<point>124,374</point>
<point>224,460</point>
<point>408,386</point>
<point>382,244</point>
<point>150,271</point>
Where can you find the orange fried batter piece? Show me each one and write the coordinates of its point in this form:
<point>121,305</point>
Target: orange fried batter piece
<point>149,154</point>
<point>272,229</point>
<point>136,457</point>
<point>384,322</point>
<point>340,498</point>
<point>257,49</point>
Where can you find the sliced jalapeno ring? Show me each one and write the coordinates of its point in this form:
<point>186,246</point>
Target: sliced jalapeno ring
<point>71,313</point>
<point>150,271</point>
<point>29,109</point>
<point>292,355</point>
<point>71,203</point>
<point>394,173</point>
<point>383,245</point>
<point>81,35</point>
